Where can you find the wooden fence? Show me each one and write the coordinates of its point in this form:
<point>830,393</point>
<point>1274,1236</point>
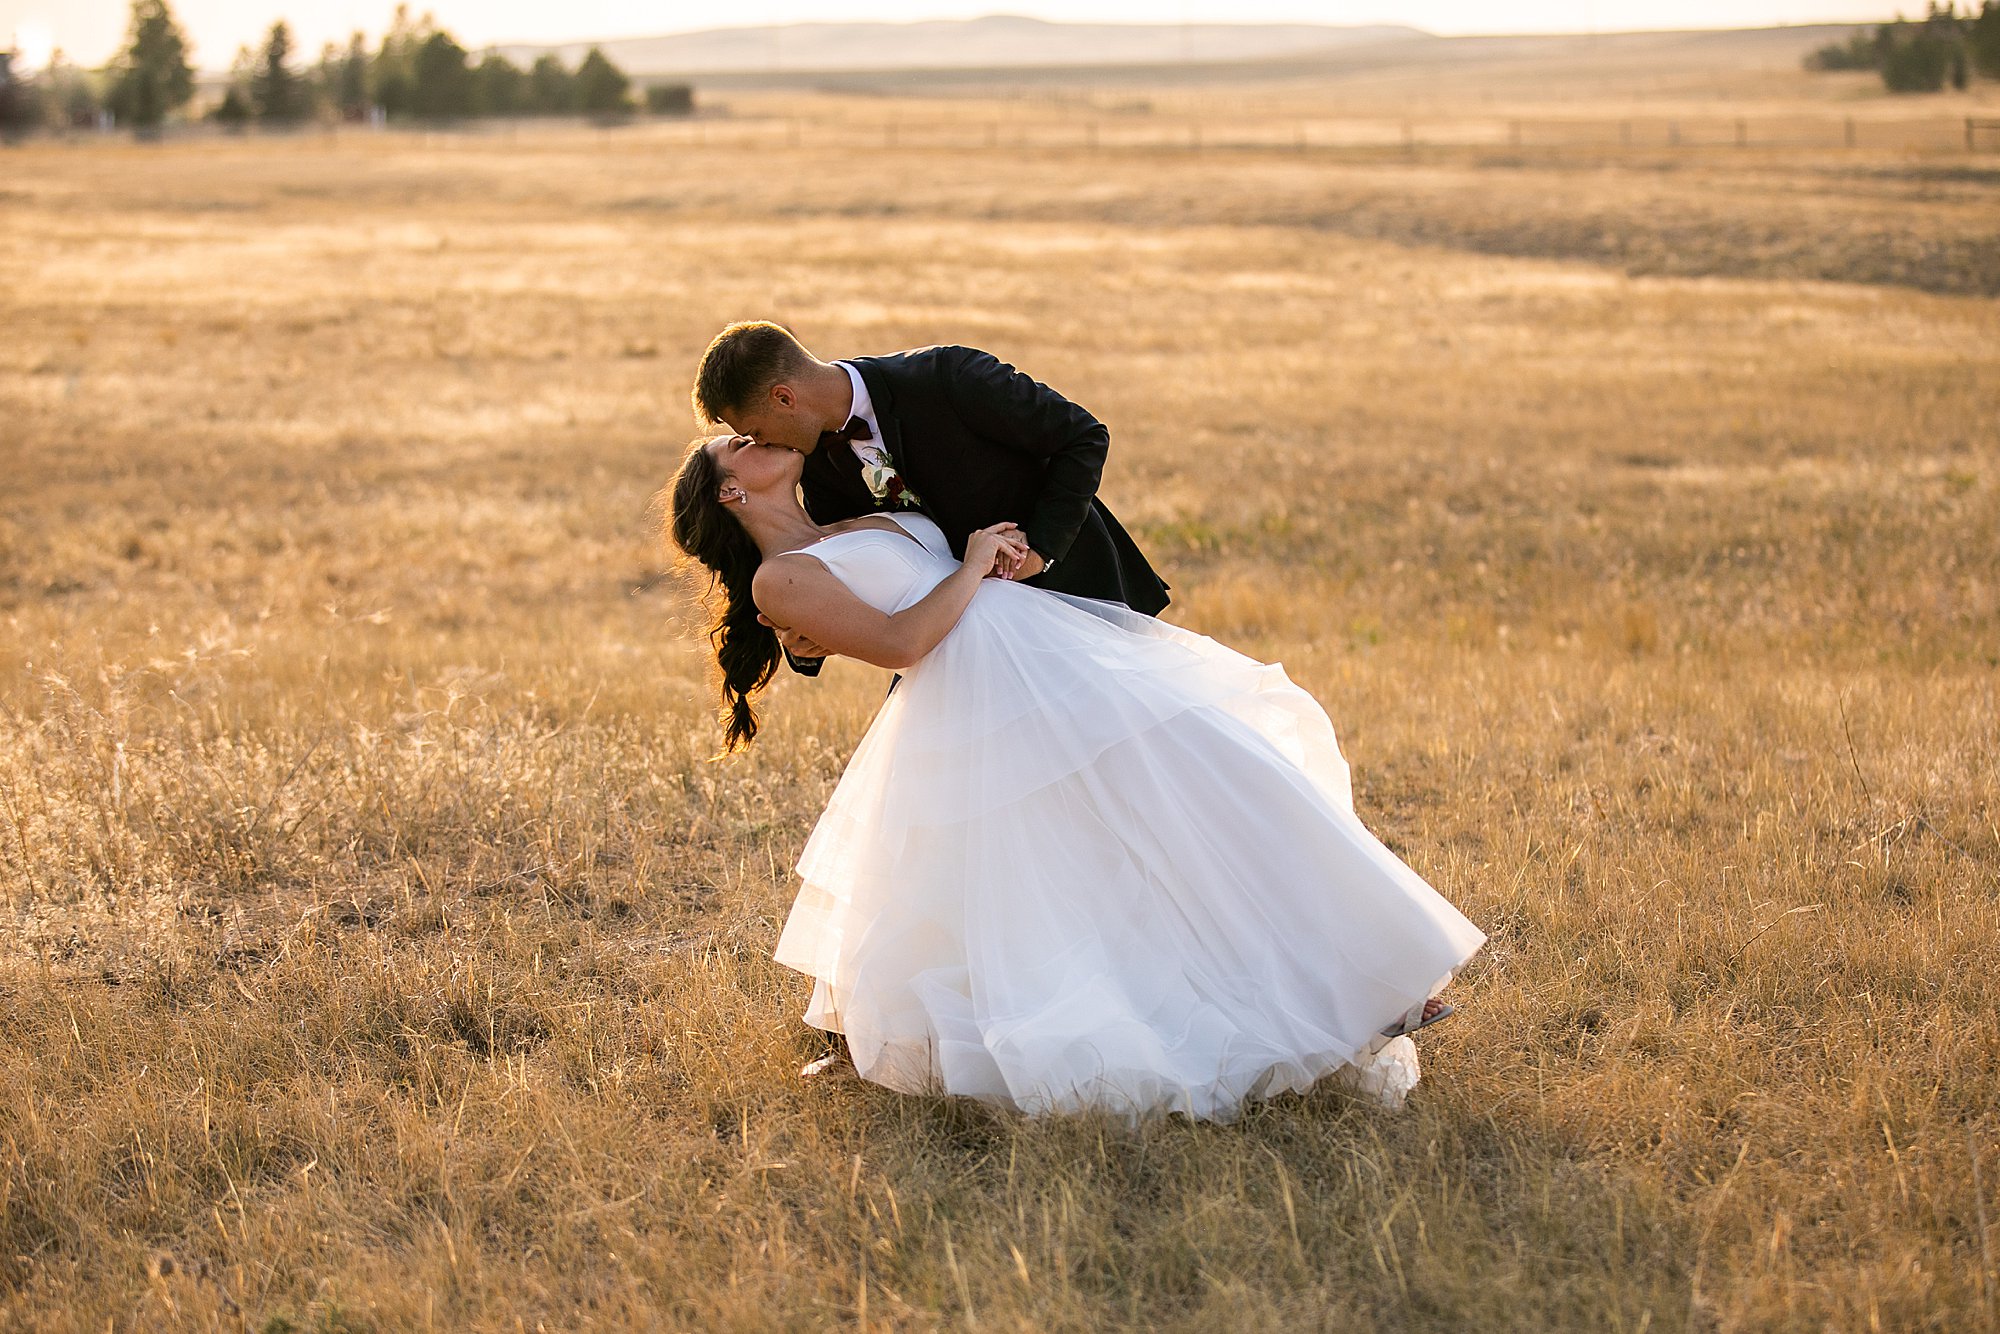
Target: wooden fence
<point>1937,134</point>
<point>1968,134</point>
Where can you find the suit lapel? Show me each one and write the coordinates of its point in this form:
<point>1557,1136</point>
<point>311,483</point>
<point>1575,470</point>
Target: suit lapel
<point>883,396</point>
<point>835,473</point>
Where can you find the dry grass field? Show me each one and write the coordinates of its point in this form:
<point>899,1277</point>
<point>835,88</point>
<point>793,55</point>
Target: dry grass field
<point>382,949</point>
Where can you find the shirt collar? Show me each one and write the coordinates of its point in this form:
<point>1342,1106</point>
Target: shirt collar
<point>864,406</point>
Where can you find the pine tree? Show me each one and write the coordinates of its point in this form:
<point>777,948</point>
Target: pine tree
<point>277,92</point>
<point>340,79</point>
<point>551,89</point>
<point>1982,39</point>
<point>350,91</point>
<point>499,86</point>
<point>233,111</point>
<point>17,97</point>
<point>600,85</point>
<point>242,77</point>
<point>1923,57</point>
<point>151,76</point>
<point>441,84</point>
<point>392,74</point>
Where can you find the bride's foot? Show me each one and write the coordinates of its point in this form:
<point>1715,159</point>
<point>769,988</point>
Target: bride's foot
<point>1434,1010</point>
<point>825,1065</point>
<point>835,1063</point>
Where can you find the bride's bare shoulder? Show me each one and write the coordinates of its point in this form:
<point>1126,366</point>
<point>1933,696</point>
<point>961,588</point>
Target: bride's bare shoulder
<point>783,568</point>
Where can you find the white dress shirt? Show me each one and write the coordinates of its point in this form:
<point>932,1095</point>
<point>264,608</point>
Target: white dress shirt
<point>869,451</point>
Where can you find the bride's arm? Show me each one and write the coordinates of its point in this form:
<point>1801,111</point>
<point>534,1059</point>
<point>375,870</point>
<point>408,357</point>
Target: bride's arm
<point>797,591</point>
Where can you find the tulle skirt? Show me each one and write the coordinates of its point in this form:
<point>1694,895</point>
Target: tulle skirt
<point>1086,859</point>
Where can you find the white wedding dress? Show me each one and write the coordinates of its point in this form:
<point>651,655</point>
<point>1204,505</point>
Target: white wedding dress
<point>1086,859</point>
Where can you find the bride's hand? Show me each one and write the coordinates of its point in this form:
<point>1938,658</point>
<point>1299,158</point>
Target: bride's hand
<point>798,645</point>
<point>995,550</point>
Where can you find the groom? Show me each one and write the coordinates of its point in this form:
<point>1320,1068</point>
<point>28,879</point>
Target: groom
<point>952,431</point>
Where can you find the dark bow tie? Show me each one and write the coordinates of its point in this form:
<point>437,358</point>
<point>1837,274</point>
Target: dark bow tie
<point>856,429</point>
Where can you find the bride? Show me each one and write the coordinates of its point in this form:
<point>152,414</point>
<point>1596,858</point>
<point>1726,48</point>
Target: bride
<point>1081,858</point>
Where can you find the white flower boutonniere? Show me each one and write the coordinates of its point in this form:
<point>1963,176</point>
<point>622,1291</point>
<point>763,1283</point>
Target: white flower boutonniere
<point>887,486</point>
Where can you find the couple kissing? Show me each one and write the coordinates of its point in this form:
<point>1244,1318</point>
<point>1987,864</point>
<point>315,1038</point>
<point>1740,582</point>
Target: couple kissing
<point>1082,859</point>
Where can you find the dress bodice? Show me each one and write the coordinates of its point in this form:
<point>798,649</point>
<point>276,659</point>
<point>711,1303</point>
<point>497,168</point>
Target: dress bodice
<point>887,570</point>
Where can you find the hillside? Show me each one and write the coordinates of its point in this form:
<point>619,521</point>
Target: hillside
<point>1393,64</point>
<point>998,41</point>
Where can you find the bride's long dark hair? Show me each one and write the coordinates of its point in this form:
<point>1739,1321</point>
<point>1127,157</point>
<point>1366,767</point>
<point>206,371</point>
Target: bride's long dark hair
<point>700,526</point>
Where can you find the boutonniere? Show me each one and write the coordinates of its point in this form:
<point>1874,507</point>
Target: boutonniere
<point>887,485</point>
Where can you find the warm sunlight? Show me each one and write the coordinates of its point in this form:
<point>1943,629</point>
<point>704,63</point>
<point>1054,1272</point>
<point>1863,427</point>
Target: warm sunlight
<point>988,675</point>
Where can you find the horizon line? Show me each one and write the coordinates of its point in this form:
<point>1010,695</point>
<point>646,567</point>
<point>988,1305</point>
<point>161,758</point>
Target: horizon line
<point>1205,23</point>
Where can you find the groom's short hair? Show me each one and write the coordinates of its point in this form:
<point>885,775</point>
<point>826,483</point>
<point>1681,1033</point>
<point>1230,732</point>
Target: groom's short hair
<point>741,365</point>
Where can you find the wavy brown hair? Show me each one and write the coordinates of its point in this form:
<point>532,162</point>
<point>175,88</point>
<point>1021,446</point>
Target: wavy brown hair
<point>698,524</point>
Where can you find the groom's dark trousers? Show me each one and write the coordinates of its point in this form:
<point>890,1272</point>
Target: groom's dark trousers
<point>980,443</point>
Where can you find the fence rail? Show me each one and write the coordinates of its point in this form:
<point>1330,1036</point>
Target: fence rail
<point>1941,133</point>
<point>1969,134</point>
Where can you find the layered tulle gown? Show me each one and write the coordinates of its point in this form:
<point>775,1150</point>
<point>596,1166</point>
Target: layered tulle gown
<point>1086,859</point>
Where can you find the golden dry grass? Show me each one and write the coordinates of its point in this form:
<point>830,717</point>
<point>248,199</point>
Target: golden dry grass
<point>381,951</point>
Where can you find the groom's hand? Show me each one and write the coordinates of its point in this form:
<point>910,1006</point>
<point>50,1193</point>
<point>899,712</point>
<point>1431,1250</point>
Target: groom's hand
<point>1028,566</point>
<point>794,643</point>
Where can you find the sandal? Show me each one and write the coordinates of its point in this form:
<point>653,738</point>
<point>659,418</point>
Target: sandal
<point>833,1063</point>
<point>1414,1019</point>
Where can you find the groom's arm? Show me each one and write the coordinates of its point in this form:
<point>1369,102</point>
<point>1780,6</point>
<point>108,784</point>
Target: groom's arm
<point>1023,414</point>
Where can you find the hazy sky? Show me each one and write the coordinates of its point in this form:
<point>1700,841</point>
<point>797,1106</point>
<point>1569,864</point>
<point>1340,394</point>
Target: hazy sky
<point>89,31</point>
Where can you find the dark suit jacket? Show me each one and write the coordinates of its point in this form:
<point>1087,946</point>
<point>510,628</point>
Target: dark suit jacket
<point>979,442</point>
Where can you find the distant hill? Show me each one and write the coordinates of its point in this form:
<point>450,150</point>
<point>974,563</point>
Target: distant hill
<point>998,42</point>
<point>1390,65</point>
